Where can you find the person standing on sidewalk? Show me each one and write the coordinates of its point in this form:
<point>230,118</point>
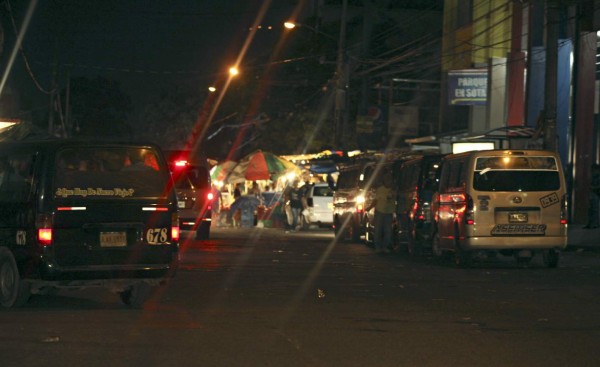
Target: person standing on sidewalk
<point>385,205</point>
<point>594,201</point>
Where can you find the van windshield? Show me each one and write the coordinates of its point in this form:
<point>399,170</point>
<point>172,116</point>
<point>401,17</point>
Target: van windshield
<point>109,172</point>
<point>516,174</point>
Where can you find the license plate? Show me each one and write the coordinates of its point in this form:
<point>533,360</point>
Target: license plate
<point>519,229</point>
<point>517,218</point>
<point>113,239</point>
<point>181,204</point>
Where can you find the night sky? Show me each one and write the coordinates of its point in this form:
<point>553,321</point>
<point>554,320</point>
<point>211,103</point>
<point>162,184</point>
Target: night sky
<point>145,45</point>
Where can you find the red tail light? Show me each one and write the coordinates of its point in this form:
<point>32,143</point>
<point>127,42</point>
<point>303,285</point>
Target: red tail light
<point>43,223</point>
<point>210,196</point>
<point>175,227</point>
<point>469,210</point>
<point>564,210</point>
<point>45,236</point>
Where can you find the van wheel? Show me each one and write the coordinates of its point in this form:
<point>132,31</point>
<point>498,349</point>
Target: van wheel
<point>136,295</point>
<point>551,258</point>
<point>436,249</point>
<point>462,258</point>
<point>203,231</point>
<point>435,246</point>
<point>414,246</point>
<point>14,292</point>
<point>337,230</point>
<point>354,232</point>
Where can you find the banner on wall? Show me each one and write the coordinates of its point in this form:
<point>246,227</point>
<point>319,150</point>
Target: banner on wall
<point>467,87</point>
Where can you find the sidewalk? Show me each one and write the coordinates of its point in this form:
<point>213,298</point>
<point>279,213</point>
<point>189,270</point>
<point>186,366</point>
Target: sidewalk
<point>580,238</point>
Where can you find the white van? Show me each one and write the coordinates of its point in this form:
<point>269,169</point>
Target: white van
<point>508,201</point>
<point>319,210</point>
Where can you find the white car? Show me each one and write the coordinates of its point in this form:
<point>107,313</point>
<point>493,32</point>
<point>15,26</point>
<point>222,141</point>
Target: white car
<point>319,211</point>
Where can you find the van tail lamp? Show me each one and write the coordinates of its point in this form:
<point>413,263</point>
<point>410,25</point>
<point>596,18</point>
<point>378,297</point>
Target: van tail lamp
<point>43,223</point>
<point>564,210</point>
<point>453,198</point>
<point>210,196</point>
<point>469,218</point>
<point>175,227</point>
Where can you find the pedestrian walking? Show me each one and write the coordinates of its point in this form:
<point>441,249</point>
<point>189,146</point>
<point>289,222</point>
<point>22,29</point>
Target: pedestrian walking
<point>385,205</point>
<point>594,200</point>
<point>293,202</point>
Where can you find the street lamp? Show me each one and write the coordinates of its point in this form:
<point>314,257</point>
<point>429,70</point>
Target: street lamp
<point>291,25</point>
<point>233,71</point>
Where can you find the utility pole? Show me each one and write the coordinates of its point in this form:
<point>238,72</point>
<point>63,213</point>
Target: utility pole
<point>549,118</point>
<point>341,77</point>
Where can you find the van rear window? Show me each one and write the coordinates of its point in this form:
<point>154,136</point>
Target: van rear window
<point>109,172</point>
<point>516,174</point>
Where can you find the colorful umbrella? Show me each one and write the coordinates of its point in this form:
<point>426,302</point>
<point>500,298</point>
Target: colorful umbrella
<point>222,171</point>
<point>261,165</point>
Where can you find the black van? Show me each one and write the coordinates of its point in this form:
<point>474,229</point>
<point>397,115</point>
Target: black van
<point>416,182</point>
<point>194,192</point>
<point>75,214</point>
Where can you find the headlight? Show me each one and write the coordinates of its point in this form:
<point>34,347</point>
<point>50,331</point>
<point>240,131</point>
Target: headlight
<point>360,199</point>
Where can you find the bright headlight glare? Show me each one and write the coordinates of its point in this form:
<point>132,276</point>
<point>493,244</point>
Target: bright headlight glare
<point>360,199</point>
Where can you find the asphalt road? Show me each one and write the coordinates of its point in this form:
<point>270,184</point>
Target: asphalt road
<point>263,297</point>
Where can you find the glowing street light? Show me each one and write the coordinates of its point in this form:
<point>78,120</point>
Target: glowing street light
<point>212,89</point>
<point>233,71</point>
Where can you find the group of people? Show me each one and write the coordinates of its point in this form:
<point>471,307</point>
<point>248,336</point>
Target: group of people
<point>294,198</point>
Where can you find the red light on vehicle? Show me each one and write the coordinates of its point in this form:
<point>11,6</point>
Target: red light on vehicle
<point>470,222</point>
<point>175,233</point>
<point>175,227</point>
<point>210,196</point>
<point>563,221</point>
<point>45,236</point>
<point>181,163</point>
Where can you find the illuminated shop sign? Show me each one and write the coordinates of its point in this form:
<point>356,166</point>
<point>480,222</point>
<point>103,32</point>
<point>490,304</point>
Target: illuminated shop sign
<point>467,87</point>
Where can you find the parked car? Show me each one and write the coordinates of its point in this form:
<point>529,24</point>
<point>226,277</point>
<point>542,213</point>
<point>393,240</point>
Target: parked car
<point>77,214</point>
<point>319,206</point>
<point>195,196</point>
<point>512,202</point>
<point>416,182</point>
<point>354,192</point>
<point>349,201</point>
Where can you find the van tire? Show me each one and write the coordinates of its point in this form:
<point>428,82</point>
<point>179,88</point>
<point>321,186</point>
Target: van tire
<point>413,245</point>
<point>14,292</point>
<point>136,295</point>
<point>355,231</point>
<point>436,250</point>
<point>551,258</point>
<point>203,231</point>
<point>462,258</point>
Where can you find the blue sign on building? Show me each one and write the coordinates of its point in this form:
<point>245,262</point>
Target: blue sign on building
<point>467,87</point>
